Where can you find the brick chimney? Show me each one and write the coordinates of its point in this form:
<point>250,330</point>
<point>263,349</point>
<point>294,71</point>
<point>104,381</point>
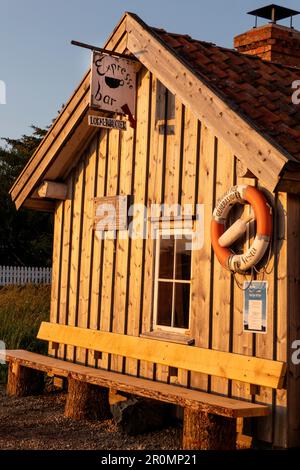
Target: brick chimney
<point>272,41</point>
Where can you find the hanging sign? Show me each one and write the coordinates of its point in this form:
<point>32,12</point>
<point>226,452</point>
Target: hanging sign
<point>107,123</point>
<point>111,213</point>
<point>113,83</point>
<point>255,306</point>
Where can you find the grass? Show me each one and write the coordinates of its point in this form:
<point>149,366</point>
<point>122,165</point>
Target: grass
<point>22,308</point>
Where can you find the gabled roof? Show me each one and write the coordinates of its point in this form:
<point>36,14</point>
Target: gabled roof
<point>259,90</point>
<point>245,100</point>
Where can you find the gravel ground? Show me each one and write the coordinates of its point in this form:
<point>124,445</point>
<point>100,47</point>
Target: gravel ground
<point>38,423</point>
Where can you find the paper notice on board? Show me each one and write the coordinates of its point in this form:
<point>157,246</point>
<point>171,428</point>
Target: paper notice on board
<point>255,306</point>
<point>255,315</point>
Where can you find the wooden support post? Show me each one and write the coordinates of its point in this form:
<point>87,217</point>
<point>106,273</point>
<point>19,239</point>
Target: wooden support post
<point>53,190</point>
<point>87,401</point>
<point>204,431</point>
<point>23,381</point>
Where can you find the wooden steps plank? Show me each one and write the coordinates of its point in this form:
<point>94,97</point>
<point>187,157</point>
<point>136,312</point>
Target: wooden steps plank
<point>195,399</point>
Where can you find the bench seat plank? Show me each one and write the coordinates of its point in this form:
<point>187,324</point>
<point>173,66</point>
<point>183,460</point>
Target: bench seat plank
<point>197,400</point>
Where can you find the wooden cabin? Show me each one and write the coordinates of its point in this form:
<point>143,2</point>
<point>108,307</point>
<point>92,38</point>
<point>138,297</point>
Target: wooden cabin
<point>207,118</point>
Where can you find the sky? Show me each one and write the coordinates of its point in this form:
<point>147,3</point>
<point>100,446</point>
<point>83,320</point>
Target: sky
<point>40,68</point>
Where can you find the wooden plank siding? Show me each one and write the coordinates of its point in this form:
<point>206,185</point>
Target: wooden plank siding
<point>202,267</point>
<point>293,316</point>
<point>171,157</point>
<point>242,342</point>
<point>147,369</point>
<point>136,259</point>
<point>221,304</point>
<point>123,245</point>
<point>87,245</point>
<point>96,271</point>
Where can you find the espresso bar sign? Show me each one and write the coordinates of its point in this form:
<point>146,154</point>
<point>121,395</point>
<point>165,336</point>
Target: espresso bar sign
<point>113,83</point>
<point>111,213</point>
<point>107,123</point>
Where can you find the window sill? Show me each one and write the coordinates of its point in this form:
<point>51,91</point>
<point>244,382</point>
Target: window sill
<point>170,337</point>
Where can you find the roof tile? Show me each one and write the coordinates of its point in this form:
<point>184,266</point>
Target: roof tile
<point>258,89</point>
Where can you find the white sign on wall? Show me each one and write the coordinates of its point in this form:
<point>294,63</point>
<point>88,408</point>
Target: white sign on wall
<point>255,306</point>
<point>113,83</point>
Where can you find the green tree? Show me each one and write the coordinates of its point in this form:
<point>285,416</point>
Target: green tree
<point>25,236</point>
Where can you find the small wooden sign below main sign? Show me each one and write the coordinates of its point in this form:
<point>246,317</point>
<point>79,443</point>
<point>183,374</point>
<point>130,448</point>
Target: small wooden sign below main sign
<point>107,123</point>
<point>113,83</point>
<point>111,213</point>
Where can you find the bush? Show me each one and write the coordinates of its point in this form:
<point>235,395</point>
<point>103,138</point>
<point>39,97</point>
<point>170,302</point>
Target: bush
<point>22,309</point>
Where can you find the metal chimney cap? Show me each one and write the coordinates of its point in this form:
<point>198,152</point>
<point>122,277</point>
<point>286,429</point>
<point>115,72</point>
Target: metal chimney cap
<point>274,12</point>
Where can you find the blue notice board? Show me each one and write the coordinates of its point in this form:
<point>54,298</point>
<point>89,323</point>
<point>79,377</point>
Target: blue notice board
<point>255,306</point>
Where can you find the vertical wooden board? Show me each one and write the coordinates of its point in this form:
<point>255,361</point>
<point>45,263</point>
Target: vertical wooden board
<point>113,163</point>
<point>120,296</point>
<point>97,255</point>
<point>87,236</point>
<point>156,177</point>
<point>187,175</point>
<point>242,342</point>
<point>147,368</point>
<point>56,266</point>
<point>173,140</point>
<point>107,292</point>
<point>172,181</point>
<point>265,342</point>
<point>222,277</point>
<point>65,269</point>
<point>136,254</point>
<point>280,418</point>
<point>188,180</point>
<point>120,285</point>
<point>201,260</point>
<point>293,317</point>
<point>157,147</point>
<point>75,253</point>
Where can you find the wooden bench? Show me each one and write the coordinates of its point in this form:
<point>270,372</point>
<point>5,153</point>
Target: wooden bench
<point>209,420</point>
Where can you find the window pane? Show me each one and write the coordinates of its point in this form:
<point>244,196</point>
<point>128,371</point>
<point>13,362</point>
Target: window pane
<point>182,305</point>
<point>166,258</point>
<point>183,258</point>
<point>164,303</point>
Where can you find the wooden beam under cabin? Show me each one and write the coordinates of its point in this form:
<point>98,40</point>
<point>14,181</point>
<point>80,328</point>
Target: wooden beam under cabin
<point>53,190</point>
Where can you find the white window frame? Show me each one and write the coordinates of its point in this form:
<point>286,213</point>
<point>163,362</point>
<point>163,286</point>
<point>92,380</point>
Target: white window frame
<point>176,229</point>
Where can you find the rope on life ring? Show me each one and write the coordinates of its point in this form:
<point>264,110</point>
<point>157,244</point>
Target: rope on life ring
<point>241,194</point>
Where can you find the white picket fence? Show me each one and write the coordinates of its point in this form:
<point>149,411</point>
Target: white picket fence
<point>18,275</point>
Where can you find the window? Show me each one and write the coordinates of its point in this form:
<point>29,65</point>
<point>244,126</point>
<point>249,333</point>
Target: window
<point>172,279</point>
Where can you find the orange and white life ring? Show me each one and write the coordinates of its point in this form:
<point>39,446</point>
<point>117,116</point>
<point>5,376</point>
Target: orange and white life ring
<point>262,212</point>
